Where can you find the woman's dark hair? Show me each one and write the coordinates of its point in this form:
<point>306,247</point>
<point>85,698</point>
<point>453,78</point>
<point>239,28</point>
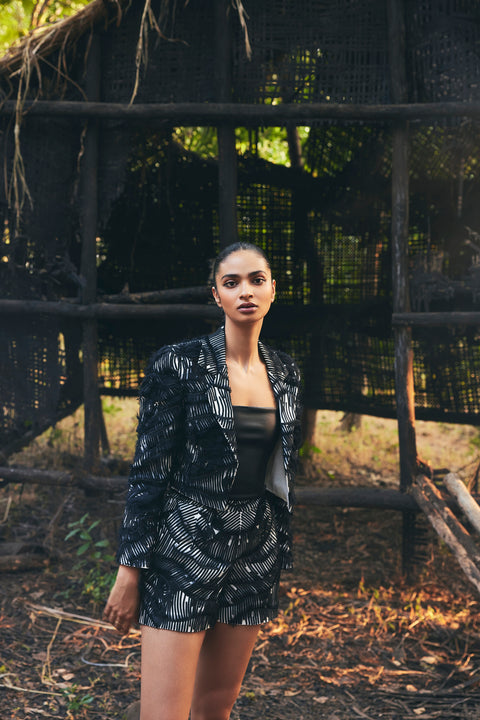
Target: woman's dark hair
<point>235,247</point>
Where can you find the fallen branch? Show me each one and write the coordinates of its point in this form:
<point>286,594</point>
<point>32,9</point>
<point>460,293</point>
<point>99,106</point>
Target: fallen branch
<point>64,615</point>
<point>457,488</point>
<point>13,563</point>
<point>449,529</point>
<point>8,686</point>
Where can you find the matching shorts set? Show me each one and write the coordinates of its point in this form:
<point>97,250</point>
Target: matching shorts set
<point>215,565</point>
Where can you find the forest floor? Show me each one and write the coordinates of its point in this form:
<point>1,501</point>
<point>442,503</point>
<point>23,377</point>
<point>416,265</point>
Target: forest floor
<point>354,638</point>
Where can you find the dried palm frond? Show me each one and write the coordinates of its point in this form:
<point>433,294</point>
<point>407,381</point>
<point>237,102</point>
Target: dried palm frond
<point>22,63</point>
<point>42,41</point>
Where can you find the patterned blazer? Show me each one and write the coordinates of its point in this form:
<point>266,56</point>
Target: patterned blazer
<point>186,440</point>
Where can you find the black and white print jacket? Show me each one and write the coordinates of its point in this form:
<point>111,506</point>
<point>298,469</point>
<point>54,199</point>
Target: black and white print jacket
<point>186,440</point>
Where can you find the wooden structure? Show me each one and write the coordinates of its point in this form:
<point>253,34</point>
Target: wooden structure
<point>96,107</point>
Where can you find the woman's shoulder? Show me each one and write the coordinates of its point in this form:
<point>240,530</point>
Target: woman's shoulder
<point>169,366</point>
<point>175,355</point>
<point>285,362</point>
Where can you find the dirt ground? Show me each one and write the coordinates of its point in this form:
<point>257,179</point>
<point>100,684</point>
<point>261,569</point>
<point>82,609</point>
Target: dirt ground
<point>354,638</point>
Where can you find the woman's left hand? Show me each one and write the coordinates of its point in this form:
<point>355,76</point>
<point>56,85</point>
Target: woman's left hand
<point>123,602</point>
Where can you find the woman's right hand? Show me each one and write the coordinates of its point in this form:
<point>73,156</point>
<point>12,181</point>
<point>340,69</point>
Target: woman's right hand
<point>123,602</point>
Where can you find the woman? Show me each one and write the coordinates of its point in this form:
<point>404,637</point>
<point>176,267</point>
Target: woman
<point>206,526</point>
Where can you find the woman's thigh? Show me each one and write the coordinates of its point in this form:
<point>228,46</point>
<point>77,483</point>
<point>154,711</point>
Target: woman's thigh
<point>169,662</point>
<point>222,663</point>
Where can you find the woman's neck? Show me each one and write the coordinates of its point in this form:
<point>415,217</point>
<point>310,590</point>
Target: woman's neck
<point>241,343</point>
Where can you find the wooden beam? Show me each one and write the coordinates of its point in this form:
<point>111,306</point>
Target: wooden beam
<point>20,563</point>
<point>179,295</point>
<point>328,497</point>
<point>355,497</point>
<point>242,114</point>
<point>103,311</point>
<point>435,319</point>
<point>81,479</point>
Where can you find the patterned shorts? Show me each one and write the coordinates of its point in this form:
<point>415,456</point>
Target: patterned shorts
<point>212,565</point>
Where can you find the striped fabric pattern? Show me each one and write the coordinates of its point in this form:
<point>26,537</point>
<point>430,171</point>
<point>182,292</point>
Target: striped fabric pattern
<point>212,565</point>
<point>186,441</point>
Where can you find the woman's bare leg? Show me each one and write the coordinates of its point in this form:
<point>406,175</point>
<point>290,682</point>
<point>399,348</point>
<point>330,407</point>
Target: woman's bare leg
<point>169,662</point>
<point>222,663</point>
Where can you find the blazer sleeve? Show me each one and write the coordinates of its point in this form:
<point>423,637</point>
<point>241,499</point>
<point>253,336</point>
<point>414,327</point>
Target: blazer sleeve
<point>159,432</point>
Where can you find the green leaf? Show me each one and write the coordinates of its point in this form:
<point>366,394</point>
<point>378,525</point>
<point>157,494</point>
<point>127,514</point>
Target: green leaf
<point>83,548</point>
<point>72,533</point>
<point>101,543</point>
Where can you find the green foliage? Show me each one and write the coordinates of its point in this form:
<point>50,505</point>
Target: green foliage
<point>15,18</point>
<point>268,144</point>
<point>94,564</point>
<point>18,17</point>
<point>76,701</point>
<point>109,408</point>
<point>81,529</point>
<point>309,449</point>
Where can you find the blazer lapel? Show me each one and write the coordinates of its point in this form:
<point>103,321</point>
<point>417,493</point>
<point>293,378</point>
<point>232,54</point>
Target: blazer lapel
<point>218,390</point>
<point>284,395</point>
<point>279,479</point>
<point>219,394</point>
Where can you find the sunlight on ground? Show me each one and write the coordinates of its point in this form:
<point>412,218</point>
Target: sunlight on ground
<point>370,452</point>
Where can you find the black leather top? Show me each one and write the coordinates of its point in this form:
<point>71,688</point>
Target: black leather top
<point>256,430</point>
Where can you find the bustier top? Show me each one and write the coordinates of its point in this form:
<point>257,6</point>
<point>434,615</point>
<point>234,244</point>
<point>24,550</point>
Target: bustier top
<point>256,430</point>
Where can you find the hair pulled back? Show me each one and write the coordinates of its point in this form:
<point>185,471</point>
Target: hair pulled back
<point>235,247</point>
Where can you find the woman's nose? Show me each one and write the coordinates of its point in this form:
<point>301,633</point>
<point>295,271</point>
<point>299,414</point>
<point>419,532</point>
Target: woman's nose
<point>245,290</point>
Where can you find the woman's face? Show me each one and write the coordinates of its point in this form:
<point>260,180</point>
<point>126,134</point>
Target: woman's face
<point>245,289</point>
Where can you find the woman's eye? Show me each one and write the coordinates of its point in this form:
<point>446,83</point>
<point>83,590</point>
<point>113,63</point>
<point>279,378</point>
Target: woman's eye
<point>259,280</point>
<point>229,284</point>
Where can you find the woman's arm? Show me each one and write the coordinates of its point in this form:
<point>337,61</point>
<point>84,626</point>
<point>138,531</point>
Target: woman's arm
<point>123,602</point>
<point>158,444</point>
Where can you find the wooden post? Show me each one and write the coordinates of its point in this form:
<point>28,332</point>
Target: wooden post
<point>400,211</point>
<point>227,155</point>
<point>89,211</point>
<point>305,250</point>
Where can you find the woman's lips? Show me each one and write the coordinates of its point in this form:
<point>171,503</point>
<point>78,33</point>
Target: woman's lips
<point>247,307</point>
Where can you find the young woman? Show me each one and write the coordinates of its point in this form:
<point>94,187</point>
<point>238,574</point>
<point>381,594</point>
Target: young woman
<point>206,526</point>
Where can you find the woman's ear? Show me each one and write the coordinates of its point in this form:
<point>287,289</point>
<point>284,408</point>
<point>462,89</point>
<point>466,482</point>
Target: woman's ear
<point>216,297</point>
<point>274,287</point>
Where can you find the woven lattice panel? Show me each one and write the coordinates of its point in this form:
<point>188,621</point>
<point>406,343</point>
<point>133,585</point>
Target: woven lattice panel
<point>161,230</point>
<point>445,217</point>
<point>126,346</point>
<point>32,359</point>
<point>326,229</point>
<point>43,247</point>
<point>446,379</point>
<point>180,67</point>
<point>442,50</point>
<point>305,51</point>
<point>301,52</point>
